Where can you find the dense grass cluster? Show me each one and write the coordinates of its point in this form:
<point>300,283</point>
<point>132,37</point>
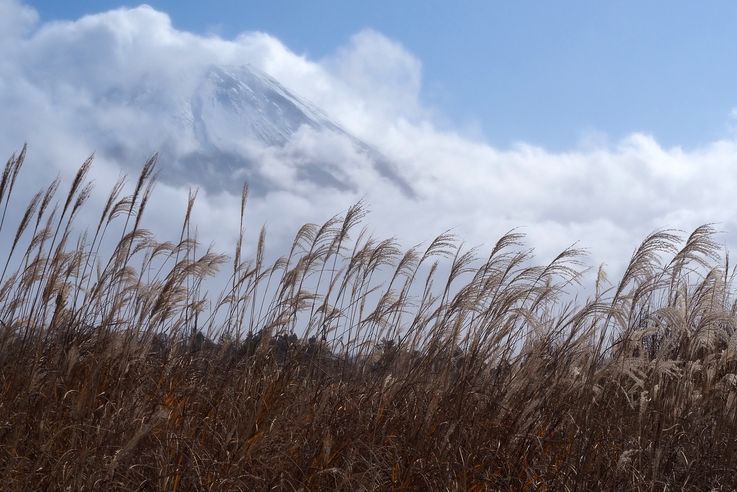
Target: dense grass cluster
<point>350,363</point>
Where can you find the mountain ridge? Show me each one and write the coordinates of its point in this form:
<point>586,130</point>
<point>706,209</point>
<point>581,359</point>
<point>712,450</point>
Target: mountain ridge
<point>239,123</point>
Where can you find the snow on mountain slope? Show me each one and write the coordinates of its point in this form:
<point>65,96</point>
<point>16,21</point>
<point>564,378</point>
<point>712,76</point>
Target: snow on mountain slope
<point>240,125</point>
<point>242,102</point>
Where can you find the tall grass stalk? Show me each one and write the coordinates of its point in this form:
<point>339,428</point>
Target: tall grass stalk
<point>351,363</point>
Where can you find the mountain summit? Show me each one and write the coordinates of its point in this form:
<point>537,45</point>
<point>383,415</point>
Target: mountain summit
<point>239,124</point>
<point>255,104</point>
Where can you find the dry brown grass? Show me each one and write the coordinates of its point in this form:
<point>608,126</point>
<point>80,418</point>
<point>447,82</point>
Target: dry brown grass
<point>351,363</point>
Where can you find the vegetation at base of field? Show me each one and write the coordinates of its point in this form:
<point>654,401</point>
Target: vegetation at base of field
<point>351,363</point>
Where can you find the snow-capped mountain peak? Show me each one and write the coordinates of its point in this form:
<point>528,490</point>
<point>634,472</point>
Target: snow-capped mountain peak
<point>239,124</point>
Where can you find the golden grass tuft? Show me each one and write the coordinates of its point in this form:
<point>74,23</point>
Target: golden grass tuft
<point>351,363</point>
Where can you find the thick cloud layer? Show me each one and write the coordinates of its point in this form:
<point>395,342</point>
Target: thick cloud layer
<point>120,83</point>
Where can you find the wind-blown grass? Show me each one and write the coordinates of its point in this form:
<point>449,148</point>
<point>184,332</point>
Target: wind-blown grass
<point>351,363</point>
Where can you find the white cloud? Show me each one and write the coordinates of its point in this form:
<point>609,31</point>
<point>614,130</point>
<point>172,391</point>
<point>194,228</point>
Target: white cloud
<point>15,20</point>
<point>120,83</point>
<point>378,72</point>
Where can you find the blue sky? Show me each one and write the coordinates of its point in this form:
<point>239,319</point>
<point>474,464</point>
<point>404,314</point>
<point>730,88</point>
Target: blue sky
<point>548,73</point>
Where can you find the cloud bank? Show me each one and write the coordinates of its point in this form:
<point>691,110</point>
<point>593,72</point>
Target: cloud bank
<point>120,82</point>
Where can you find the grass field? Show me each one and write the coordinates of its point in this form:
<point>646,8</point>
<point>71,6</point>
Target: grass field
<point>351,363</point>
